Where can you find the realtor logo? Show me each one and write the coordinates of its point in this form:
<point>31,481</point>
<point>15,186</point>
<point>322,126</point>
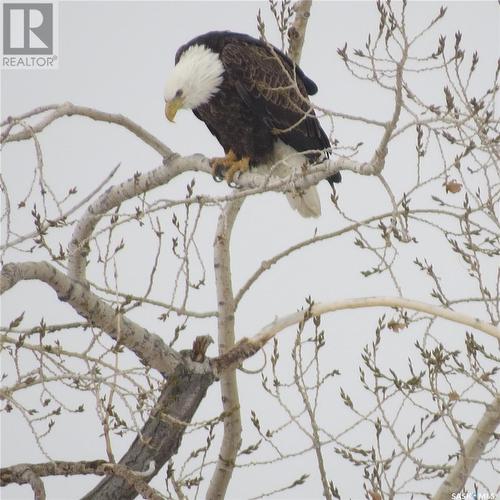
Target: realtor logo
<point>28,31</point>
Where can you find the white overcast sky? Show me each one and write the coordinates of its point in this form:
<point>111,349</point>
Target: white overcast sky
<point>115,56</point>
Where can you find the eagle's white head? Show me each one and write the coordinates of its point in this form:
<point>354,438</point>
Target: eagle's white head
<point>195,79</point>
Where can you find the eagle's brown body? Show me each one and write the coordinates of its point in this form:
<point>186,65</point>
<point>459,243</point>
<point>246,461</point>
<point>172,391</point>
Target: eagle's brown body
<point>262,98</point>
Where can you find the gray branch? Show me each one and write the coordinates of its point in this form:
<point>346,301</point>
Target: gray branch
<point>161,436</point>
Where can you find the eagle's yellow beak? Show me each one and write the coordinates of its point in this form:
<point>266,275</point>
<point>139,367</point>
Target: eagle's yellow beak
<point>172,106</point>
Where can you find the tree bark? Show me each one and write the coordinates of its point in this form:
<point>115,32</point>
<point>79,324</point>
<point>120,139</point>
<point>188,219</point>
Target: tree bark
<point>161,435</point>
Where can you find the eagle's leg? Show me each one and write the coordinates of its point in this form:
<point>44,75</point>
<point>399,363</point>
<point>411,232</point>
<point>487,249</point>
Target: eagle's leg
<point>238,166</point>
<point>220,165</point>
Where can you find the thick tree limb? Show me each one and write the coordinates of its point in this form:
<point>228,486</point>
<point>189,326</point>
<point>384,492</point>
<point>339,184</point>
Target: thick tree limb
<point>231,440</point>
<point>474,448</point>
<point>149,347</point>
<point>161,436</point>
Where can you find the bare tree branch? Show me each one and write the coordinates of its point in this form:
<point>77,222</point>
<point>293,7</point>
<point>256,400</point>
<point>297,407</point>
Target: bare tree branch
<point>23,473</point>
<point>15,473</point>
<point>246,347</point>
<point>69,109</point>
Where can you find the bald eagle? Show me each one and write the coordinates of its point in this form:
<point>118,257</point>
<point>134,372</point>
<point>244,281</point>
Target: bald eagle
<point>254,100</point>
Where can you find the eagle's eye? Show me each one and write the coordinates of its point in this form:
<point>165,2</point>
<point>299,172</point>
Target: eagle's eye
<point>178,93</point>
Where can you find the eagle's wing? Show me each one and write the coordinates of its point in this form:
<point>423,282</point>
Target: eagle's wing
<point>276,91</point>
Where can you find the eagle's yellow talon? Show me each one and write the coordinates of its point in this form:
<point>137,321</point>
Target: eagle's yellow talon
<point>238,166</point>
<point>227,166</point>
<point>220,164</point>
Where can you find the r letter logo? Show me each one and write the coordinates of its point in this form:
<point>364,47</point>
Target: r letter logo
<point>28,31</point>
